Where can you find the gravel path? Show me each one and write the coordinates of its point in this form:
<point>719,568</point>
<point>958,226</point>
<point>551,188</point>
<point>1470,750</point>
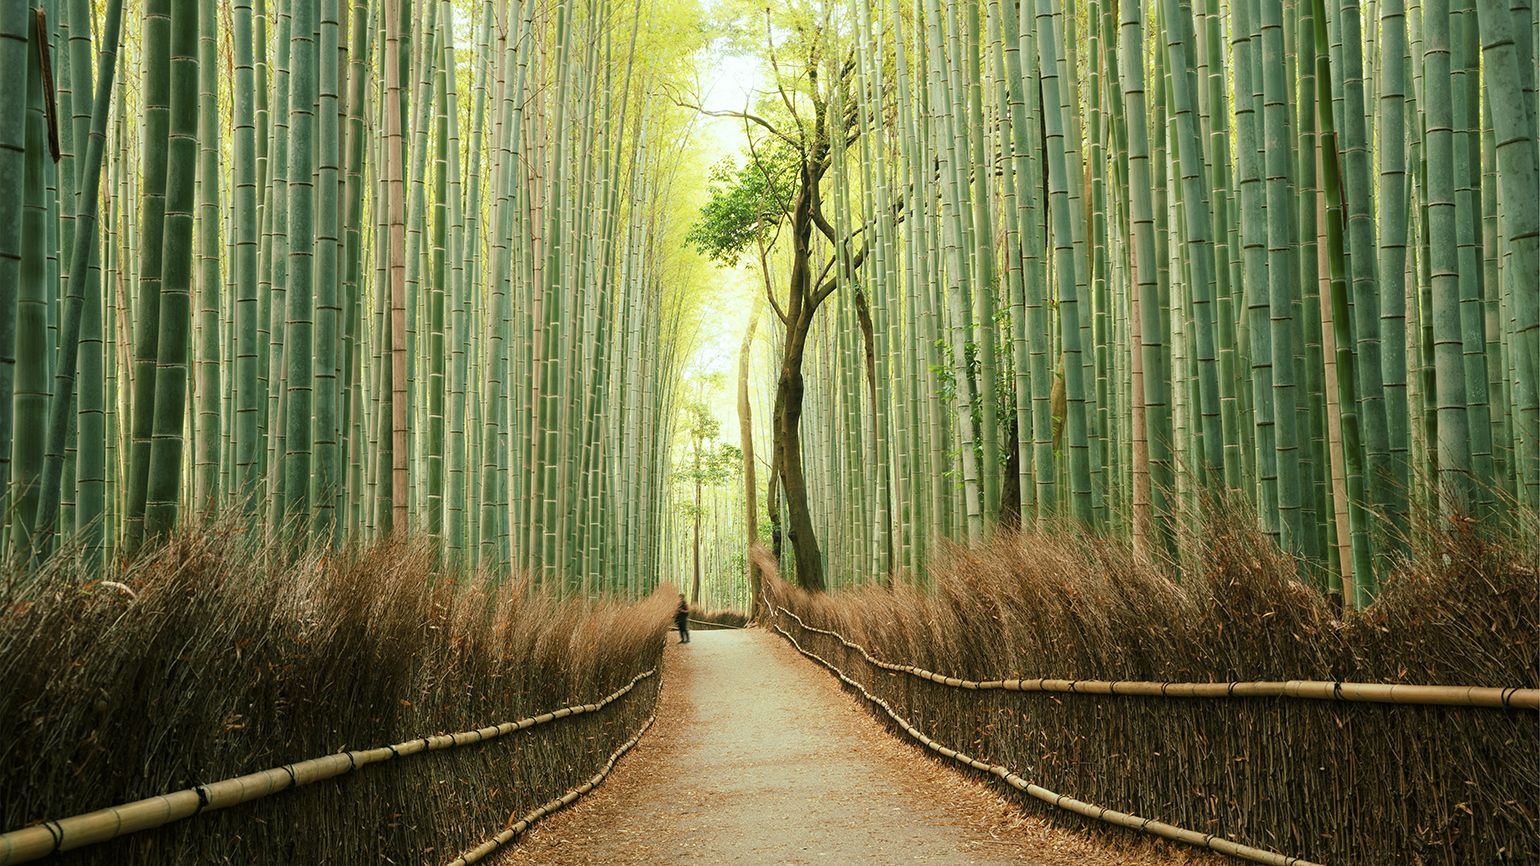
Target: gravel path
<point>759,757</point>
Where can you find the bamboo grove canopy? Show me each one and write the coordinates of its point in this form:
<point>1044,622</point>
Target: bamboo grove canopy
<point>1117,262</point>
<point>349,266</point>
<point>379,264</point>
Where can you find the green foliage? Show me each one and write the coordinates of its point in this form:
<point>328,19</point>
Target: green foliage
<point>709,462</point>
<point>744,205</point>
<point>699,422</point>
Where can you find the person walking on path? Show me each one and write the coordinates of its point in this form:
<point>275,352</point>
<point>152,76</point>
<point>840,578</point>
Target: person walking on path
<point>682,619</point>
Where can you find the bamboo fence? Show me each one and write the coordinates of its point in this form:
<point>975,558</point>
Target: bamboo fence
<point>77,831</point>
<point>515,829</point>
<point>1319,690</point>
<point>1079,807</point>
<point>1434,770</point>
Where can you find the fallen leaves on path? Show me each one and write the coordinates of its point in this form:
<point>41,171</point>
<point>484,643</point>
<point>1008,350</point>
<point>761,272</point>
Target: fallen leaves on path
<point>759,757</point>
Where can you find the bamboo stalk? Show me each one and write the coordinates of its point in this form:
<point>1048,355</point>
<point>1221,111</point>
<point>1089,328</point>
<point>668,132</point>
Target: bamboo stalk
<point>62,406</point>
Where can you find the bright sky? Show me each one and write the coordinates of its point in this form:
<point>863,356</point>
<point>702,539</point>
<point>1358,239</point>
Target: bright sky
<point>728,82</point>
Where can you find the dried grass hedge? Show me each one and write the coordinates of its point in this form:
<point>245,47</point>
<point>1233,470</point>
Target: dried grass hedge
<point>203,661</point>
<point>1325,781</point>
<point>719,618</point>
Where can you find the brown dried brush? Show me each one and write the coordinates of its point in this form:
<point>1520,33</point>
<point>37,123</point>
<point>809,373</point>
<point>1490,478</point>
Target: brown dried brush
<point>1329,782</point>
<point>224,657</point>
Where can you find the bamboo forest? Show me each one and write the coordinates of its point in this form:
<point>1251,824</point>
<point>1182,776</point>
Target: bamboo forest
<point>818,431</point>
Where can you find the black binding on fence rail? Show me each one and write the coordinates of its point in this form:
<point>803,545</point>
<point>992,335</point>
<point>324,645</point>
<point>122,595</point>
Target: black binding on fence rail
<point>1319,690</point>
<point>65,834</point>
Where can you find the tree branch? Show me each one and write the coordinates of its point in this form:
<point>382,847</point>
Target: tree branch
<point>776,66</point>
<point>754,155</point>
<point>742,115</point>
<point>764,270</point>
<point>828,287</point>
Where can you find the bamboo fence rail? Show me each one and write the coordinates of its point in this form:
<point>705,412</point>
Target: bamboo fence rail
<point>1319,690</point>
<point>77,831</point>
<point>517,828</point>
<point>1080,807</point>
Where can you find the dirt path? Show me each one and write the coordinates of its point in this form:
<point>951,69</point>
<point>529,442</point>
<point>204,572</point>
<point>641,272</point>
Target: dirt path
<point>759,757</point>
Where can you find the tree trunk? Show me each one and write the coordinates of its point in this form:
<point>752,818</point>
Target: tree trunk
<point>773,491</point>
<point>163,487</point>
<point>869,351</point>
<point>788,444</point>
<point>787,421</point>
<point>1010,494</point>
<point>695,541</point>
<point>746,443</point>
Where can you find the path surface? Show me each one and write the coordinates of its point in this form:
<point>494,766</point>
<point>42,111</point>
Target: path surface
<point>759,757</point>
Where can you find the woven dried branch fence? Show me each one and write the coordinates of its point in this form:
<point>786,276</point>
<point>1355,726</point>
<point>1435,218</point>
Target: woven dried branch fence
<point>1319,690</point>
<point>77,831</point>
<point>1328,772</point>
<point>1079,807</point>
<point>517,828</point>
<point>216,665</point>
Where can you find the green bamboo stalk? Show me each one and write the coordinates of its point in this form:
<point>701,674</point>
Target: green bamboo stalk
<point>292,502</point>
<point>1155,463</point>
<point>984,283</point>
<point>326,478</point>
<point>1281,281</point>
<point>15,69</point>
<point>957,276</point>
<point>1075,426</point>
<point>1255,261</point>
<point>164,488</point>
<point>1392,237</point>
<point>1454,483</point>
<point>354,496</point>
<point>1465,100</point>
<point>146,322</point>
<point>1519,214</point>
<point>75,302</point>
<point>394,358</point>
<point>91,422</point>
<point>1199,253</point>
<point>208,440</point>
<point>272,292</point>
<point>30,400</point>
<point>248,398</point>
<point>1380,487</point>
